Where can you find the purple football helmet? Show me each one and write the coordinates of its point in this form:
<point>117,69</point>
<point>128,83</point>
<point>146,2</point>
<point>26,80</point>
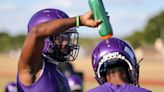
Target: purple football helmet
<point>62,47</point>
<point>11,87</point>
<point>75,83</point>
<point>109,52</point>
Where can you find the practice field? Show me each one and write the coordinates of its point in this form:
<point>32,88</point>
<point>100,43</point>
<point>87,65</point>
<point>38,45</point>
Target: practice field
<point>152,73</point>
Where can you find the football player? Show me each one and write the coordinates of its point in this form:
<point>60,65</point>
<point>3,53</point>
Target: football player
<point>115,67</point>
<point>51,38</point>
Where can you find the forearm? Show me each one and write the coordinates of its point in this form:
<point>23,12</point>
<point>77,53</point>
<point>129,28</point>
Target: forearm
<point>54,27</point>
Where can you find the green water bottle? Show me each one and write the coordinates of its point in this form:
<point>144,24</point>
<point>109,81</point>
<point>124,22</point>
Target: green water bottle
<point>99,13</point>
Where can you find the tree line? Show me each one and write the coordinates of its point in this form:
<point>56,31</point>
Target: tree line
<point>153,30</point>
<point>8,42</point>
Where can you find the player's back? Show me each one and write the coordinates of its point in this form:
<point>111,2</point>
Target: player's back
<point>51,80</point>
<point>108,87</point>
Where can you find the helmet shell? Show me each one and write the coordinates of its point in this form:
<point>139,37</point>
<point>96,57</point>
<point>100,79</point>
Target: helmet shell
<point>115,48</point>
<point>11,87</point>
<point>45,15</point>
<point>75,82</point>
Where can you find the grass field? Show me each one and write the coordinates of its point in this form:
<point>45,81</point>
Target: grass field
<point>152,73</point>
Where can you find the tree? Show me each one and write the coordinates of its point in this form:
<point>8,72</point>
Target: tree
<point>150,33</point>
<point>154,28</point>
<point>8,42</point>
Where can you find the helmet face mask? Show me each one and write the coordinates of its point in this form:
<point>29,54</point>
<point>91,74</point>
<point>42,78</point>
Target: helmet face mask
<point>64,46</point>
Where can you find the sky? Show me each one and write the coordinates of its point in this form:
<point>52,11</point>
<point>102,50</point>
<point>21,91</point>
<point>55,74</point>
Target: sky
<point>126,16</point>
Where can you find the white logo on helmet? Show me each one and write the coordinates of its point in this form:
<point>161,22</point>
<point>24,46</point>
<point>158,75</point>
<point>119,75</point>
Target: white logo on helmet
<point>109,56</point>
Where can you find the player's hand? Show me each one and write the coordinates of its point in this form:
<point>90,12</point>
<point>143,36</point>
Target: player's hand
<point>87,20</point>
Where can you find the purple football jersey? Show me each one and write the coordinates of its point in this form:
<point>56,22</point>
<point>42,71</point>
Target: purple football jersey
<point>108,87</point>
<point>51,80</point>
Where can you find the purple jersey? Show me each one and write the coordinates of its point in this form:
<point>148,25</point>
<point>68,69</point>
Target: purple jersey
<point>108,87</point>
<point>51,80</point>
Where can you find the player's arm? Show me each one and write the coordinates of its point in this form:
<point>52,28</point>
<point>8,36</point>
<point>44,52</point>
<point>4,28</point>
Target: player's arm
<point>30,60</point>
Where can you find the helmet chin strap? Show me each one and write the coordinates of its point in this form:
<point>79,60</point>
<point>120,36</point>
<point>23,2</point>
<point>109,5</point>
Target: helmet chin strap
<point>49,59</point>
